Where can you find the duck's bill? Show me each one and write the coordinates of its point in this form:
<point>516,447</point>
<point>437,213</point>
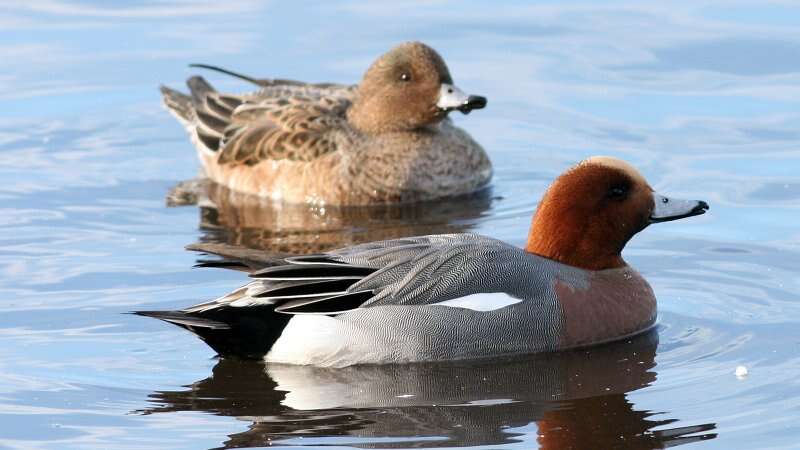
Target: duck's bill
<point>452,98</point>
<point>667,209</point>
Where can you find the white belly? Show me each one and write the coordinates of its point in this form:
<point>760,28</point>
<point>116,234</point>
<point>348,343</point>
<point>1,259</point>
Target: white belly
<point>379,334</point>
<point>325,341</point>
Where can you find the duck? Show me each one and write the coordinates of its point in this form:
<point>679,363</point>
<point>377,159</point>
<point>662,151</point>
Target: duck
<point>456,296</point>
<point>388,139</point>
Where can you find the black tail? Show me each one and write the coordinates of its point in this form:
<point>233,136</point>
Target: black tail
<point>246,333</point>
<point>234,74</point>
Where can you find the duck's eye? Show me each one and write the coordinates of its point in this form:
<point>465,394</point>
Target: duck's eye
<point>618,192</point>
<point>405,76</point>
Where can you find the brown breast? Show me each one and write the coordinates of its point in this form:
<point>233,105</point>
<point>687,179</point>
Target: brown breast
<point>613,304</point>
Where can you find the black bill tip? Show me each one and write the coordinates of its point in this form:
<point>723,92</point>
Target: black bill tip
<point>473,102</point>
<point>699,208</point>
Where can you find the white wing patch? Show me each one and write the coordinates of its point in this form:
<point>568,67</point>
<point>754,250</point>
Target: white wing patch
<point>482,302</point>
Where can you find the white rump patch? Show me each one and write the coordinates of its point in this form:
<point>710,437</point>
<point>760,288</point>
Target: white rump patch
<point>482,301</point>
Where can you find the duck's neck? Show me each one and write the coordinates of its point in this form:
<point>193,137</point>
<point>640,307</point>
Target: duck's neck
<point>570,241</point>
<point>359,117</point>
<point>373,115</point>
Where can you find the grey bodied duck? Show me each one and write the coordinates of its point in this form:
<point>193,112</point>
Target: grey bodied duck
<point>456,296</point>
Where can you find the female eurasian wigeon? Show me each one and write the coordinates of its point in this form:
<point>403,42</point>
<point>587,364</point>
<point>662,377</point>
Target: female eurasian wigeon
<point>456,296</point>
<point>386,140</point>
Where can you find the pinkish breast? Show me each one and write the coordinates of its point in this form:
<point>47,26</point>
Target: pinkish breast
<point>613,304</point>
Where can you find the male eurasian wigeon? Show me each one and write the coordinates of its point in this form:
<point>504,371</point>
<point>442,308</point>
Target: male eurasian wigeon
<point>386,140</point>
<point>456,296</point>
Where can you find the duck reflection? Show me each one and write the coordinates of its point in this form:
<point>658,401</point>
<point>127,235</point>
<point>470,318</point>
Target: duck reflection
<point>567,400</point>
<point>233,220</point>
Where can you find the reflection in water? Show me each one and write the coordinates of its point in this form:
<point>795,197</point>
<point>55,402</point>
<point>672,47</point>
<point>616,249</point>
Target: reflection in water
<point>234,220</point>
<point>573,397</point>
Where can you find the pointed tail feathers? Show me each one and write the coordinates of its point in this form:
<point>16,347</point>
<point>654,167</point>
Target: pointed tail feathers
<point>199,88</point>
<point>179,104</point>
<point>183,106</point>
<point>246,333</point>
<point>205,114</point>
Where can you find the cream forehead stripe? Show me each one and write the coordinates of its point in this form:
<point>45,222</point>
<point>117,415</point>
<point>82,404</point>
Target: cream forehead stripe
<point>616,163</point>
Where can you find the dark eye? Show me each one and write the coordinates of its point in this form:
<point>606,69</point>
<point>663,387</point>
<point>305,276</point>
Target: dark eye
<point>618,192</point>
<point>405,76</point>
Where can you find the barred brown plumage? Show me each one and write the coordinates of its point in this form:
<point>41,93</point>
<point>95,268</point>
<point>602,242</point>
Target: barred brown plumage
<point>381,141</point>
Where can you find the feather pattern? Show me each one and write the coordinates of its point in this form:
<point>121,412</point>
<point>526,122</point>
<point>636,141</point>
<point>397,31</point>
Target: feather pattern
<point>413,299</point>
<point>292,122</point>
<point>382,141</point>
<point>411,271</point>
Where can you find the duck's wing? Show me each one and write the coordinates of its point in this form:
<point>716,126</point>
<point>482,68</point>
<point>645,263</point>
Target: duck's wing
<point>412,271</point>
<point>283,121</point>
<point>295,128</point>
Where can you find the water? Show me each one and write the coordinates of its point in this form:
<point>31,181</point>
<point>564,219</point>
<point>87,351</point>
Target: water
<point>703,96</point>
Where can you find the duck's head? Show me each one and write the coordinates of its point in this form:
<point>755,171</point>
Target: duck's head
<point>408,87</point>
<point>592,210</point>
